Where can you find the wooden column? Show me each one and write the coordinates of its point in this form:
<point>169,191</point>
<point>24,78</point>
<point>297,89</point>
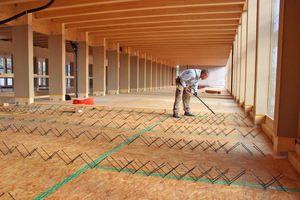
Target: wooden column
<point>238,63</point>
<point>57,67</point>
<point>163,75</point>
<point>234,67</point>
<point>83,66</point>
<point>167,76</point>
<point>159,75</point>
<point>23,64</point>
<point>149,73</point>
<point>113,68</point>
<point>134,71</point>
<point>174,76</point>
<point>170,76</point>
<point>229,73</point>
<point>154,74</point>
<point>243,57</point>
<point>142,73</point>
<point>262,63</point>
<point>99,70</point>
<point>286,118</point>
<point>125,70</point>
<point>251,55</point>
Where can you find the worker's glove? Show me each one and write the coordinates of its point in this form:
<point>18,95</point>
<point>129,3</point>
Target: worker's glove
<point>195,93</point>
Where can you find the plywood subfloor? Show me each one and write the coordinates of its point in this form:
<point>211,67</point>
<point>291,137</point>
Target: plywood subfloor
<point>106,144</point>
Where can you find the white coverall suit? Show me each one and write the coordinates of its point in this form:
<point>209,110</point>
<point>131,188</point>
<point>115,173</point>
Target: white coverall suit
<point>186,78</point>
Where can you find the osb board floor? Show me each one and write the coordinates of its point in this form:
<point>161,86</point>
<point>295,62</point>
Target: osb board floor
<point>120,130</point>
<point>158,99</point>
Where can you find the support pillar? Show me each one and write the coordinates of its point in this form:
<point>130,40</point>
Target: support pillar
<point>238,63</point>
<point>154,74</point>
<point>159,75</point>
<point>163,75</point>
<point>149,73</point>
<point>113,71</point>
<point>125,70</point>
<point>57,67</point>
<point>243,57</point>
<point>99,70</point>
<point>251,55</point>
<point>286,117</point>
<point>134,71</point>
<point>142,73</point>
<point>229,73</point>
<point>23,64</point>
<point>174,76</point>
<point>234,68</point>
<point>83,69</point>
<point>167,76</point>
<point>262,63</point>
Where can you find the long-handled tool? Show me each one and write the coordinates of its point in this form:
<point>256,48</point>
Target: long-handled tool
<point>202,101</point>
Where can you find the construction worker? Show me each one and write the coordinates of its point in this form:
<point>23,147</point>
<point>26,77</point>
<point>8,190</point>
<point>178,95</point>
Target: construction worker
<point>186,78</point>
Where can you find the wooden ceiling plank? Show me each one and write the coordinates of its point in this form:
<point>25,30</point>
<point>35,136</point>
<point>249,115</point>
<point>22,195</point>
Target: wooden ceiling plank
<point>163,33</point>
<point>138,6</point>
<point>170,29</point>
<point>120,14</point>
<point>67,4</point>
<point>149,20</point>
<point>162,24</point>
<point>171,38</point>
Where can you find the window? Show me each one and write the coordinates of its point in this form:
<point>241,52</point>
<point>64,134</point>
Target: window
<point>273,57</point>
<point>8,66</point>
<point>44,73</point>
<point>9,81</point>
<point>1,65</point>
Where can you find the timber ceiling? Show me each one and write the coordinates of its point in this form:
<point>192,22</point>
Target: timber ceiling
<point>181,32</point>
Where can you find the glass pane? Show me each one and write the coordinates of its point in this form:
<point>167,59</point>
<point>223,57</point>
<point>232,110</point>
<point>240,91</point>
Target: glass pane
<point>44,68</point>
<point>9,81</point>
<point>2,81</point>
<point>273,57</point>
<point>1,66</point>
<point>9,70</point>
<point>39,68</point>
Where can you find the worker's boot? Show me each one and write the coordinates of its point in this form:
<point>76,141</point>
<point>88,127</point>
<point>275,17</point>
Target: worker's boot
<point>188,114</point>
<point>176,115</point>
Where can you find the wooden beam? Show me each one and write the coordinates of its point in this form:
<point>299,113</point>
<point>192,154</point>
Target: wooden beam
<point>151,20</point>
<point>163,24</point>
<point>144,5</point>
<point>89,16</point>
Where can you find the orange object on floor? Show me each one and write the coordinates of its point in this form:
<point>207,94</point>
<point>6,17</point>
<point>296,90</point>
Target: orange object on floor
<point>87,101</point>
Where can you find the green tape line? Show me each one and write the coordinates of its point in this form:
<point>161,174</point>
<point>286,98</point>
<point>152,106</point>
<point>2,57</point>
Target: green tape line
<point>52,189</point>
<point>191,179</point>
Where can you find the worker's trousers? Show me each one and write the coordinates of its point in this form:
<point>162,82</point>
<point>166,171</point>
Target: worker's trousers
<point>181,93</point>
